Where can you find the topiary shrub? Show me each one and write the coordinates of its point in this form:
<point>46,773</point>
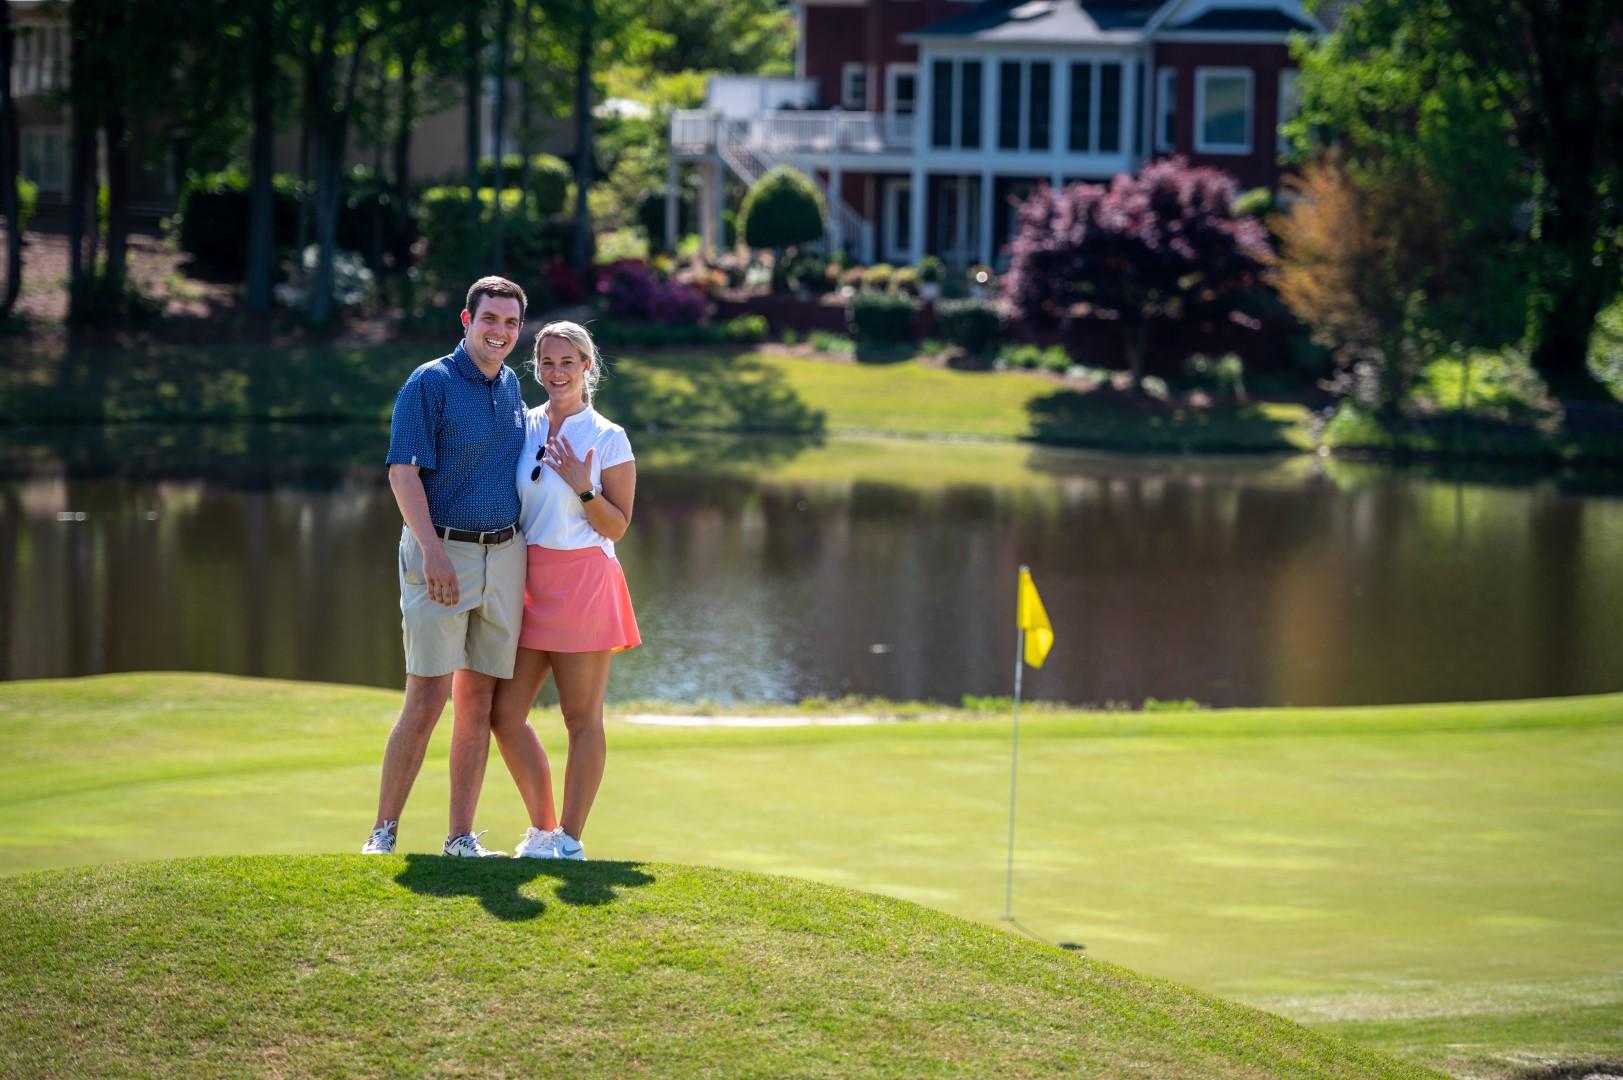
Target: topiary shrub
<point>878,320</point>
<point>549,179</point>
<point>783,210</point>
<point>453,244</point>
<point>972,325</point>
<point>905,280</point>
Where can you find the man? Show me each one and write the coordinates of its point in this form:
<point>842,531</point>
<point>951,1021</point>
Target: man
<point>454,443</point>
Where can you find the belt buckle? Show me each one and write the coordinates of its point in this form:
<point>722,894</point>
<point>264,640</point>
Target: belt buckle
<point>487,532</point>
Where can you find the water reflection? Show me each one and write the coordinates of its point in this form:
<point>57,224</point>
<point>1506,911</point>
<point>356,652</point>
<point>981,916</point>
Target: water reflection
<point>777,571</point>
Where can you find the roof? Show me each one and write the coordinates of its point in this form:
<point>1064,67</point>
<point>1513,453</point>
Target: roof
<point>1054,22</point>
<point>1253,20</point>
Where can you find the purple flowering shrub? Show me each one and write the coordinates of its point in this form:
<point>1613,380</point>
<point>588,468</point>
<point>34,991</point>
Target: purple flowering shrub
<point>1159,245</point>
<point>635,294</point>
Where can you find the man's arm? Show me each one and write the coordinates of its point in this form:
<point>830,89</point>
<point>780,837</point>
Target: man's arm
<point>438,572</point>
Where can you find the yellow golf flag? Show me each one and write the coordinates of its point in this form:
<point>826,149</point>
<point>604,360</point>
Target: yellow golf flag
<point>1033,619</point>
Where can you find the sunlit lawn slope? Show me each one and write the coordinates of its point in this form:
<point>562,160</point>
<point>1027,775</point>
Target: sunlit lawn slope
<point>1442,882</point>
<point>417,965</point>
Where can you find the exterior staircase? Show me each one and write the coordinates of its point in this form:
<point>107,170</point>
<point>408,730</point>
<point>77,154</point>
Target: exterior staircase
<point>846,227</point>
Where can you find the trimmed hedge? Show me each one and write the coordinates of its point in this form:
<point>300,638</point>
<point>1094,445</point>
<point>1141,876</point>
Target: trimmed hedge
<point>879,319</point>
<point>549,179</point>
<point>213,219</point>
<point>973,325</point>
<point>455,247</point>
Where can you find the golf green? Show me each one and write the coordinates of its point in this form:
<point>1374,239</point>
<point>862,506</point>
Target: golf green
<point>1440,882</point>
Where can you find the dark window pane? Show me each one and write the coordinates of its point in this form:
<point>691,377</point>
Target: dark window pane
<point>1041,104</point>
<point>904,219</point>
<point>1008,105</point>
<point>1109,108</point>
<point>1169,109</point>
<point>905,92</point>
<point>941,104</point>
<point>1081,108</point>
<point>970,132</point>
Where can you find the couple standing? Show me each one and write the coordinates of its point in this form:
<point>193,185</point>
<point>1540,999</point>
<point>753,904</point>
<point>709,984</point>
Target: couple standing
<point>507,570</point>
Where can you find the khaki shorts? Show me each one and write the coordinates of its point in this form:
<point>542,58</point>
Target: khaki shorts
<point>481,631</point>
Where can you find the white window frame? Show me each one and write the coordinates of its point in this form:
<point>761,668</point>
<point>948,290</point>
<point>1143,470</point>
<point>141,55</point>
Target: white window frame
<point>1232,149</point>
<point>894,251</point>
<point>1166,104</point>
<point>848,69</point>
<point>892,71</point>
<point>34,134</point>
<point>1287,78</point>
<point>927,124</point>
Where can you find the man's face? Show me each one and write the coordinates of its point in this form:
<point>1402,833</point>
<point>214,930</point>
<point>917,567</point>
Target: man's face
<point>492,328</point>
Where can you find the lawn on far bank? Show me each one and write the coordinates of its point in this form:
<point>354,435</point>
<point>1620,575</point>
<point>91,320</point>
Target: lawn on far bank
<point>716,389</point>
<point>1439,882</point>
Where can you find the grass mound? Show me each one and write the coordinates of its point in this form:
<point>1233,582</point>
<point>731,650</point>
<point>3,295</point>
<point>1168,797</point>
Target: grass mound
<point>344,965</point>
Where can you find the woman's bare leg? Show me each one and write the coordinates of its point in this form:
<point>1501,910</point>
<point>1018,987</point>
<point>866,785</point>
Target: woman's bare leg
<point>581,679</point>
<point>516,738</point>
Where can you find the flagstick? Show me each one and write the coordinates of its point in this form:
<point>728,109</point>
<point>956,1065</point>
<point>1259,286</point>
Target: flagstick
<point>1014,771</point>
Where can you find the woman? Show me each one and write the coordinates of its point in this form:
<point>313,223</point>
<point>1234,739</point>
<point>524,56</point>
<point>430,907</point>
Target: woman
<point>576,482</point>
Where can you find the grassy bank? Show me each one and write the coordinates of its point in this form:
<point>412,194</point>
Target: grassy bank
<point>1440,882</point>
<point>718,389</point>
<point>340,965</point>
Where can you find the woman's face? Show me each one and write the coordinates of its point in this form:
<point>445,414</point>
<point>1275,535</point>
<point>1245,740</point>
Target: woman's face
<point>561,370</point>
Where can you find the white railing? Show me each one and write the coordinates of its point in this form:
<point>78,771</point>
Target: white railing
<point>799,131</point>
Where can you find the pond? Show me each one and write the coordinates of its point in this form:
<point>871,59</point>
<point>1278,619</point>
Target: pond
<point>774,571</point>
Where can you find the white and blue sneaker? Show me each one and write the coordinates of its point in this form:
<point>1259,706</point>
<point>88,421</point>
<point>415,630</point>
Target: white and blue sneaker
<point>538,844</point>
<point>467,846</point>
<point>567,847</point>
<point>381,842</point>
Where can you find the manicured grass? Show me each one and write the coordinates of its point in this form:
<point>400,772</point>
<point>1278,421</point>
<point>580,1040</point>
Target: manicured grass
<point>344,965</point>
<point>1438,881</point>
<point>718,389</point>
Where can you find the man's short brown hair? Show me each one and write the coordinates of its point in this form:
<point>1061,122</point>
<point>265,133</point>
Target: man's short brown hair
<point>496,286</point>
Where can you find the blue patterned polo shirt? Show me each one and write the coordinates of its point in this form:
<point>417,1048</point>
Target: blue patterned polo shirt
<point>464,432</point>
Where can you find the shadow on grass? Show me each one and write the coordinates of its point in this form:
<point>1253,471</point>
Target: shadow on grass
<point>496,883</point>
<point>708,390</point>
<point>1106,418</point>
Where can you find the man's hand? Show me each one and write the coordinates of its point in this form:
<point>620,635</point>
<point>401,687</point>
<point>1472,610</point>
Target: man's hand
<point>440,576</point>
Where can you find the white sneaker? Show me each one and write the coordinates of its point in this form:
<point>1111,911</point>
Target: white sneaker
<point>538,844</point>
<point>381,842</point>
<point>567,847</point>
<point>468,846</point>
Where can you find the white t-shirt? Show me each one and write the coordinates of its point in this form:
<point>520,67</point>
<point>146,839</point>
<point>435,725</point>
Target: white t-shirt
<point>551,514</point>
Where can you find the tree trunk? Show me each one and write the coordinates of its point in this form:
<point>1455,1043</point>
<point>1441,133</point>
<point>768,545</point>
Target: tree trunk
<point>10,203</point>
<point>330,188</point>
<point>583,135</point>
<point>408,119</point>
<point>473,34</point>
<point>118,193</point>
<point>317,74</point>
<point>1575,296</point>
<point>526,141</point>
<point>81,158</point>
<point>503,21</point>
<point>1136,338</point>
<point>261,191</point>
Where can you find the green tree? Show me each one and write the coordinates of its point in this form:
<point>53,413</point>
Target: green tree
<point>783,209</point>
<point>1501,105</point>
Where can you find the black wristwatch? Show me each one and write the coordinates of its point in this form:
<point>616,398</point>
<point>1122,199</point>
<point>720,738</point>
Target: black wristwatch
<point>587,496</point>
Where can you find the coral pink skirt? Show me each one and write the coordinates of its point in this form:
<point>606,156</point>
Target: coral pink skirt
<point>576,601</point>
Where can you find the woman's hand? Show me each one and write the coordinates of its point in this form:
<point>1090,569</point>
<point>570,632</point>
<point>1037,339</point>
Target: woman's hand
<point>576,472</point>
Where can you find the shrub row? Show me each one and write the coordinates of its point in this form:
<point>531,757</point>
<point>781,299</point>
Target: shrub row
<point>213,219</point>
<point>549,179</point>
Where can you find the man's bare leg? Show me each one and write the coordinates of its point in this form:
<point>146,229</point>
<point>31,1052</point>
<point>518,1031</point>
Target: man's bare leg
<point>470,745</point>
<point>408,742</point>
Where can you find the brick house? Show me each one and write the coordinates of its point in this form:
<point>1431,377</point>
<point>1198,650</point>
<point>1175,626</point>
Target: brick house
<point>921,120</point>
